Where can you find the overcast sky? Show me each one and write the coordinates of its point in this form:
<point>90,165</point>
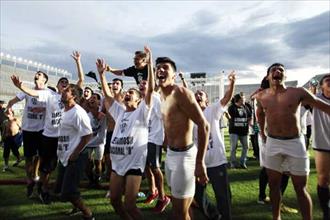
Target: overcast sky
<point>201,36</point>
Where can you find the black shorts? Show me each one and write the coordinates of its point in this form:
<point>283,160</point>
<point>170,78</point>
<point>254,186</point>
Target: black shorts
<point>154,156</point>
<point>48,154</point>
<point>133,172</point>
<point>32,142</point>
<point>108,143</point>
<point>69,177</point>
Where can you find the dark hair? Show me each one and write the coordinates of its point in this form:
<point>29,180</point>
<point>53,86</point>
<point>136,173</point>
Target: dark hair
<point>140,54</point>
<point>274,64</point>
<point>166,60</point>
<point>264,83</point>
<point>76,92</point>
<point>89,88</point>
<point>51,88</point>
<point>236,98</point>
<point>97,95</point>
<point>45,75</point>
<point>323,78</point>
<point>62,79</point>
<point>120,80</point>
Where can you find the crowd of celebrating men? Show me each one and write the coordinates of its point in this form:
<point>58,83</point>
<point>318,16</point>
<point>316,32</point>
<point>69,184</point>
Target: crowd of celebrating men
<point>74,128</point>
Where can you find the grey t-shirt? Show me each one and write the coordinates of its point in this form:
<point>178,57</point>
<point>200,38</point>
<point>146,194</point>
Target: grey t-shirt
<point>321,127</point>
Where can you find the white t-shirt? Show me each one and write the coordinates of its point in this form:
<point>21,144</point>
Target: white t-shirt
<point>321,127</point>
<point>99,128</point>
<point>130,138</point>
<point>216,152</point>
<point>75,123</point>
<point>54,108</point>
<point>34,113</point>
<point>156,126</point>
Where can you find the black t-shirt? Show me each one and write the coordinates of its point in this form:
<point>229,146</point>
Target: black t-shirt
<point>239,121</point>
<point>138,75</point>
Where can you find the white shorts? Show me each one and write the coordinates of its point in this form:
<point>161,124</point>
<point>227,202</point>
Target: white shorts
<point>284,163</point>
<point>98,152</point>
<point>180,172</point>
<point>287,156</point>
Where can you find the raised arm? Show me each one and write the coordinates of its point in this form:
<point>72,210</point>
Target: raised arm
<point>117,72</point>
<point>312,100</point>
<point>184,83</point>
<point>151,77</point>
<point>19,84</point>
<point>76,56</point>
<point>101,66</point>
<point>189,105</point>
<point>229,93</point>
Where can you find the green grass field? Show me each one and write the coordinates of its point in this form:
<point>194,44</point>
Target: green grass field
<point>244,186</point>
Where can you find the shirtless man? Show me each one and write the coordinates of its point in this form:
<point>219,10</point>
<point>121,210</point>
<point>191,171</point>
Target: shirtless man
<point>180,111</point>
<point>321,146</point>
<point>285,146</point>
<point>12,138</point>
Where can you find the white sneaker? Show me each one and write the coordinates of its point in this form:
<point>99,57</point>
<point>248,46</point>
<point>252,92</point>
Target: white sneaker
<point>5,168</point>
<point>36,178</point>
<point>108,194</point>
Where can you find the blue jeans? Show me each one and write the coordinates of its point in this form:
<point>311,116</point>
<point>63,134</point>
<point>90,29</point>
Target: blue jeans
<point>219,179</point>
<point>233,145</point>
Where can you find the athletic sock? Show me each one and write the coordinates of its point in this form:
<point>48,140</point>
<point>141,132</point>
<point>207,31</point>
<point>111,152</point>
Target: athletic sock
<point>323,194</point>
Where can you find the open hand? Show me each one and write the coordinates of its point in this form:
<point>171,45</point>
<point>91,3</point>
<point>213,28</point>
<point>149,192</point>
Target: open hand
<point>76,55</point>
<point>101,66</point>
<point>17,82</point>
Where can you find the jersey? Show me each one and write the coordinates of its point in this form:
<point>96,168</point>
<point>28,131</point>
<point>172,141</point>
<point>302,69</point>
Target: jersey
<point>34,113</point>
<point>75,123</point>
<point>130,138</point>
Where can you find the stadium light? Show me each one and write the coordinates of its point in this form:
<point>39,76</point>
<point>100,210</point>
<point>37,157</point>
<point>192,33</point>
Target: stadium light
<point>44,66</point>
<point>51,68</point>
<point>35,63</point>
<point>48,67</point>
<point>30,62</point>
<point>14,57</point>
<point>8,56</point>
<point>25,60</point>
<point>20,59</point>
<point>2,54</point>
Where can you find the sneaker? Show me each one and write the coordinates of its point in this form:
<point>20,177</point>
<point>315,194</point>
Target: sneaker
<point>287,209</point>
<point>243,166</point>
<point>36,178</point>
<point>108,194</point>
<point>74,211</point>
<point>161,204</point>
<point>151,197</point>
<point>17,162</point>
<point>264,201</point>
<point>5,168</point>
<point>29,190</point>
<point>44,197</point>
